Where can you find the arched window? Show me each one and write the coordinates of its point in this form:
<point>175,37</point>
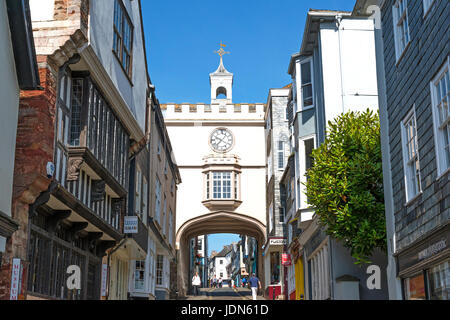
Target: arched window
<point>221,93</point>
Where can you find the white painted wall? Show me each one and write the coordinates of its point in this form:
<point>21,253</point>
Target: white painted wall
<point>101,39</point>
<point>191,144</point>
<point>42,10</point>
<point>349,67</point>
<point>9,95</point>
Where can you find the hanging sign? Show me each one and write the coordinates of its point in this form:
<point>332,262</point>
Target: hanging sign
<point>286,259</point>
<point>130,224</point>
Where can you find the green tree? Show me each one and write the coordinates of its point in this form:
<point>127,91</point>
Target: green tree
<point>345,184</point>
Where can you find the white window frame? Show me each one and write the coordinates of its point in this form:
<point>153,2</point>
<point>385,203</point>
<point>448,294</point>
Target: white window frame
<point>301,63</point>
<point>302,155</point>
<point>427,4</point>
<point>411,157</point>
<point>143,289</point>
<point>443,165</point>
<point>398,28</point>
<point>218,176</point>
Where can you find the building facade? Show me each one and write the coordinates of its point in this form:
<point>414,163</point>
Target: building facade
<point>413,46</point>
<point>277,152</point>
<point>333,73</point>
<point>81,194</point>
<point>220,150</point>
<point>19,71</point>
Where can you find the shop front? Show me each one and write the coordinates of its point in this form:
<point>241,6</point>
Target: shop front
<point>425,268</point>
<point>275,275</point>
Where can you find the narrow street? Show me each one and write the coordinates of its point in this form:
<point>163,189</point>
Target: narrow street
<point>224,294</point>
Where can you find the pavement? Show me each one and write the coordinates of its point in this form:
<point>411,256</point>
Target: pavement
<point>224,293</point>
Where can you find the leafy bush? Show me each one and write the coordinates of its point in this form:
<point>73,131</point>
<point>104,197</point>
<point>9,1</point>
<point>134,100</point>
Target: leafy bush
<point>345,185</point>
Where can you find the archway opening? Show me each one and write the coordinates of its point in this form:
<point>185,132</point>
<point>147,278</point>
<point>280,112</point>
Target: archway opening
<point>247,230</point>
<point>221,93</point>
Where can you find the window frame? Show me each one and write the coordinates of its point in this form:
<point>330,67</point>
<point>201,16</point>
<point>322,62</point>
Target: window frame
<point>427,5</point>
<point>302,85</point>
<point>120,34</point>
<point>303,203</point>
<point>281,155</point>
<point>398,22</point>
<point>438,136</point>
<point>408,162</point>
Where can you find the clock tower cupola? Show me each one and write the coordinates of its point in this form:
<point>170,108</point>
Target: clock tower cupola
<point>221,82</point>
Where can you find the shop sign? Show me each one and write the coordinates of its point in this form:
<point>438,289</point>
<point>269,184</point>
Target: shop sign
<point>286,259</point>
<point>277,242</point>
<point>433,249</point>
<point>424,250</point>
<point>130,224</point>
<point>15,279</point>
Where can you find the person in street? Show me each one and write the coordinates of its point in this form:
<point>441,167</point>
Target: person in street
<point>214,282</point>
<point>196,282</point>
<point>244,282</point>
<point>254,285</point>
<point>220,282</point>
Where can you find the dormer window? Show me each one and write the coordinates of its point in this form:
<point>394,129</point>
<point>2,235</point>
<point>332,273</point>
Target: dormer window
<point>123,37</point>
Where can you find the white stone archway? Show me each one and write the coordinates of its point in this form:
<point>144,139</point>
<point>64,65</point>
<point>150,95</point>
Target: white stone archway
<point>217,222</point>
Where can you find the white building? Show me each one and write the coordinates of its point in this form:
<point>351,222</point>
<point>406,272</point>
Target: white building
<point>334,72</point>
<point>220,152</point>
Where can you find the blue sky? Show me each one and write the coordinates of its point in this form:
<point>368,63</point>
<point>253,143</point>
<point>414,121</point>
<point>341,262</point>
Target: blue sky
<point>217,241</point>
<point>182,35</point>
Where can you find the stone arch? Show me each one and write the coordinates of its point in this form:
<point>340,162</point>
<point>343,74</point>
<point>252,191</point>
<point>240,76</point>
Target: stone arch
<point>217,222</point>
<point>221,90</point>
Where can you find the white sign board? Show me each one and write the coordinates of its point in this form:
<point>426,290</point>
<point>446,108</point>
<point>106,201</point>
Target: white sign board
<point>275,242</point>
<point>130,225</point>
<point>104,279</point>
<point>15,277</point>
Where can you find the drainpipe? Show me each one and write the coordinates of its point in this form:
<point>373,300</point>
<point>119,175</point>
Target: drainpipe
<point>122,242</point>
<point>338,24</point>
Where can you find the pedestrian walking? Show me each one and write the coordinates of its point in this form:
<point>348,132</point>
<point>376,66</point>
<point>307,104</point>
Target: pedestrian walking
<point>220,282</point>
<point>214,282</point>
<point>196,282</point>
<point>244,282</point>
<point>254,285</point>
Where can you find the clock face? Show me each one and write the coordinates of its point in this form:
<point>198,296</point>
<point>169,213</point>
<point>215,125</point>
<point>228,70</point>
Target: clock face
<point>221,140</point>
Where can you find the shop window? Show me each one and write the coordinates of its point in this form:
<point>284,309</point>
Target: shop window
<point>274,267</point>
<point>439,282</point>
<point>415,288</point>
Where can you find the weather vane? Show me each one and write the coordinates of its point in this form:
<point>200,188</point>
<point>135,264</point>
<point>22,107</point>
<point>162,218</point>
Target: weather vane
<point>222,52</point>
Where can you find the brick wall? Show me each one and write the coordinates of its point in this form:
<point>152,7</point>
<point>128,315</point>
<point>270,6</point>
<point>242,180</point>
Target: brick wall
<point>408,83</point>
